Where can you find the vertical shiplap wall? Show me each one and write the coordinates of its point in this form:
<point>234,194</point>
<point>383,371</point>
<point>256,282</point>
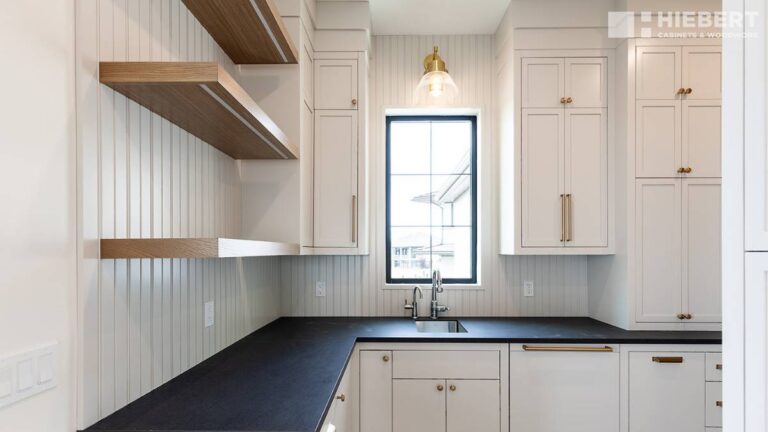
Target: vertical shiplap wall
<point>142,320</point>
<point>356,285</point>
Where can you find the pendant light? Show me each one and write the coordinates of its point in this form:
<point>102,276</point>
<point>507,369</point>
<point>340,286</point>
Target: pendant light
<point>436,79</point>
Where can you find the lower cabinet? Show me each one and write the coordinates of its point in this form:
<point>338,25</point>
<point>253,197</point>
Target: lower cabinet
<point>571,388</point>
<point>343,413</point>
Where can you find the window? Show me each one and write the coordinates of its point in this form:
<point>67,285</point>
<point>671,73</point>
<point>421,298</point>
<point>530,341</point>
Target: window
<point>431,198</point>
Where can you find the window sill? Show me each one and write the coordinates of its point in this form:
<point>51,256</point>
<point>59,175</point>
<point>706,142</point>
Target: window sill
<point>451,287</point>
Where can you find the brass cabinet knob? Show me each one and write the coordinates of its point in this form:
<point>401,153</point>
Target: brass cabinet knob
<point>452,387</point>
<point>341,397</point>
<point>719,366</point>
<point>354,101</point>
<point>385,358</point>
<point>719,403</point>
<point>439,387</point>
<point>680,91</point>
<point>562,100</point>
<point>688,170</point>
<point>688,316</point>
<point>681,170</point>
<point>569,100</point>
<point>681,316</point>
<point>688,91</point>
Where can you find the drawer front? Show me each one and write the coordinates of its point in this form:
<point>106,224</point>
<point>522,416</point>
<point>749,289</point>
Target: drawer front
<point>714,366</point>
<point>714,404</point>
<point>446,364</point>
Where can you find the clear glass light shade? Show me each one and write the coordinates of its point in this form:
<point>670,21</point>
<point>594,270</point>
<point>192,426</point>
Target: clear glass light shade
<point>437,83</point>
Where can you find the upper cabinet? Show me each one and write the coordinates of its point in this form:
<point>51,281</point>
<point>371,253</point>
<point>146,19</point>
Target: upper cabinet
<point>336,84</point>
<point>756,143</point>
<point>659,72</point>
<point>563,158</point>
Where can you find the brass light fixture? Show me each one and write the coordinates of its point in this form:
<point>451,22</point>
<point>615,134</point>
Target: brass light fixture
<point>436,79</point>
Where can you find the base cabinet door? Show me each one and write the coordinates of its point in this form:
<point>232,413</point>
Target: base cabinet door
<point>555,391</point>
<point>376,391</point>
<point>473,405</point>
<point>666,392</point>
<point>756,331</point>
<point>418,405</point>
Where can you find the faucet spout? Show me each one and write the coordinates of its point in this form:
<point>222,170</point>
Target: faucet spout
<point>414,306</point>
<point>437,287</point>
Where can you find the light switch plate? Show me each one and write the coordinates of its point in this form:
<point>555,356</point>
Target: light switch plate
<point>209,314</point>
<point>320,289</point>
<point>528,288</point>
<point>27,373</point>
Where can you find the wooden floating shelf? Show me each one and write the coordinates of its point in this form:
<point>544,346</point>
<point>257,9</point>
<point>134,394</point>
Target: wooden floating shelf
<point>203,99</point>
<point>193,248</point>
<point>249,31</point>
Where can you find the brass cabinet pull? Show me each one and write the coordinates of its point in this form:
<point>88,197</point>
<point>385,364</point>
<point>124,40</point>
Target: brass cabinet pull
<point>385,358</point>
<point>680,91</point>
<point>567,348</point>
<point>681,316</point>
<point>569,100</point>
<point>719,367</point>
<point>452,387</point>
<point>354,218</point>
<point>688,316</point>
<point>562,100</point>
<point>681,170</point>
<point>688,170</point>
<point>568,223</point>
<point>439,387</point>
<point>719,404</point>
<point>667,359</point>
<point>354,102</point>
<point>341,397</point>
<point>562,217</point>
<point>688,91</point>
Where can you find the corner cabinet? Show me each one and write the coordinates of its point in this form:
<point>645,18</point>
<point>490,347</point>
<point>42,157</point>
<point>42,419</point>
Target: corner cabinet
<point>560,193</point>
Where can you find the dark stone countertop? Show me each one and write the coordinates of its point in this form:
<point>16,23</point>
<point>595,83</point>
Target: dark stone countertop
<point>282,377</point>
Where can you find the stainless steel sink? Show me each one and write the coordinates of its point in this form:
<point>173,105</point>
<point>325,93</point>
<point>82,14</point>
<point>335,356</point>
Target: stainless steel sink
<point>442,326</point>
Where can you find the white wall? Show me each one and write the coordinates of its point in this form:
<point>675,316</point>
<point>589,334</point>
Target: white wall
<point>38,194</point>
<point>141,176</point>
<point>356,285</point>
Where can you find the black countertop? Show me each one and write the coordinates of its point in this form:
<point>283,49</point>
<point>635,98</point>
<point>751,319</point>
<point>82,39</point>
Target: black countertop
<point>282,377</point>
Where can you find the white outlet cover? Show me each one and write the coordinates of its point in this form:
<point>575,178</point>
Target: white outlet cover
<point>320,289</point>
<point>209,314</point>
<point>528,288</point>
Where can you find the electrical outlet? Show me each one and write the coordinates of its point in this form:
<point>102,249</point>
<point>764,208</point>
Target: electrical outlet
<point>528,288</point>
<point>209,314</point>
<point>320,289</point>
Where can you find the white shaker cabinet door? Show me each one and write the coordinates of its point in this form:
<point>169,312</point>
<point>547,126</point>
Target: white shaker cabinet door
<point>375,391</point>
<point>702,72</point>
<point>702,137</point>
<point>419,405</point>
<point>658,150</point>
<point>336,84</point>
<point>586,177</point>
<point>756,137</point>
<point>542,80</point>
<point>335,188</point>
<point>702,278</point>
<point>586,82</point>
<point>666,392</point>
<point>659,258</point>
<point>473,405</point>
<point>658,72</point>
<point>756,332</point>
<point>542,178</point>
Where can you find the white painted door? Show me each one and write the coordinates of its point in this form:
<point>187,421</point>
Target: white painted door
<point>336,206</point>
<point>307,68</point>
<point>542,178</point>
<point>343,404</point>
<point>375,391</point>
<point>336,84</point>
<point>418,405</point>
<point>702,72</point>
<point>658,72</point>
<point>658,246</point>
<point>586,177</point>
<point>756,138</point>
<point>702,276</point>
<point>473,405</point>
<point>756,335</point>
<point>657,138</point>
<point>543,80</point>
<point>702,137</point>
<point>586,82</point>
<point>666,392</point>
<point>564,391</point>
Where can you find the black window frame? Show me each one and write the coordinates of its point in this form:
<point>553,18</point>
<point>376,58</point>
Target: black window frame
<point>474,178</point>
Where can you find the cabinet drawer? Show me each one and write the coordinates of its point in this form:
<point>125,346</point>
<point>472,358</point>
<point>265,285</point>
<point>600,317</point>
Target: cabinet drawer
<point>714,367</point>
<point>714,404</point>
<point>446,364</point>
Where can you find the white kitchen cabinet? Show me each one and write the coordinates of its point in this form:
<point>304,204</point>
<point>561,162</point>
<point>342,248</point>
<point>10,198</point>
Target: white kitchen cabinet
<point>756,333</point>
<point>658,138</point>
<point>701,138</point>
<point>714,404</point>
<point>564,390</point>
<point>666,392</point>
<point>336,84</point>
<point>659,250</point>
<point>342,416</point>
<point>658,72</point>
<point>702,72</point>
<point>418,405</point>
<point>756,138</point>
<point>543,82</point>
<point>473,405</point>
<point>586,82</point>
<point>336,206</point>
<point>376,391</point>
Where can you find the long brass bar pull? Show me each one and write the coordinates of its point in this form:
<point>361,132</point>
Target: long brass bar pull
<point>667,359</point>
<point>562,217</point>
<point>354,218</point>
<point>569,223</point>
<point>567,348</point>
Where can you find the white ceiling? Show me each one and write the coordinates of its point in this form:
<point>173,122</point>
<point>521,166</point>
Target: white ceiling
<point>439,17</point>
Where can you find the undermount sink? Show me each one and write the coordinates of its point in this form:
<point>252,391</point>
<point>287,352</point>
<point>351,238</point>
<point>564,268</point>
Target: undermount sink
<point>444,326</point>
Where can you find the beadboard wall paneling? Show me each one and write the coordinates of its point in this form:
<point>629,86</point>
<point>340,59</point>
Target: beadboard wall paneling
<point>356,285</point>
<point>142,319</point>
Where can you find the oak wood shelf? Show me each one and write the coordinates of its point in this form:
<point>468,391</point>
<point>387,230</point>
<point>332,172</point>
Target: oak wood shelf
<point>203,99</point>
<point>193,248</point>
<point>249,31</point>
